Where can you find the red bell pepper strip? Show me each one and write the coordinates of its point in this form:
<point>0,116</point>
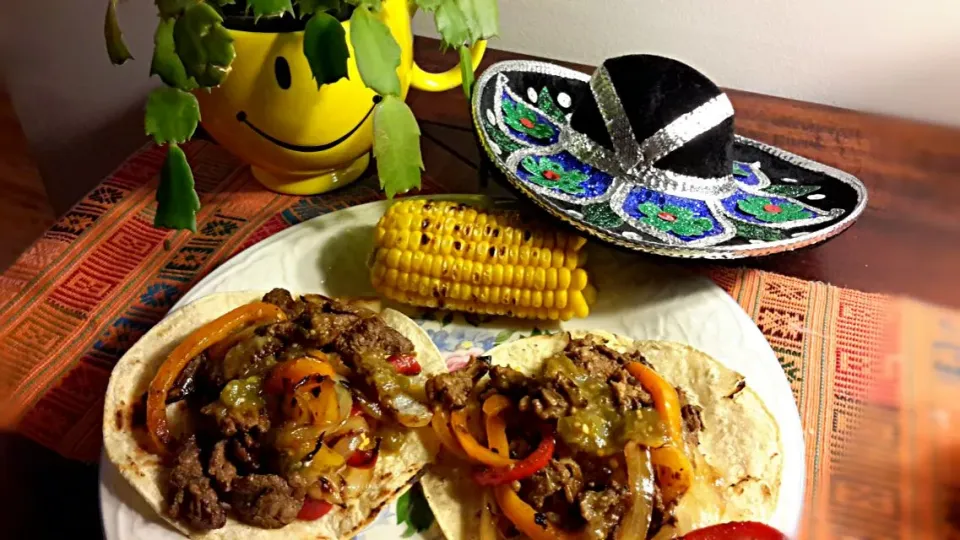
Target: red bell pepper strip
<point>405,364</point>
<point>738,530</point>
<point>525,468</point>
<point>364,459</point>
<point>313,509</point>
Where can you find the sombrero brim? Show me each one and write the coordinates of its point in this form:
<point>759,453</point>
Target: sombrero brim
<point>781,202</point>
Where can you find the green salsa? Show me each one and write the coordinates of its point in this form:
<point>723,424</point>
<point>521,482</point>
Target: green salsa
<point>599,428</point>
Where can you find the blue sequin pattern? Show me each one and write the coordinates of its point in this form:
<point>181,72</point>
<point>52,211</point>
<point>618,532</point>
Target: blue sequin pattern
<point>640,195</point>
<point>596,185</point>
<point>744,174</point>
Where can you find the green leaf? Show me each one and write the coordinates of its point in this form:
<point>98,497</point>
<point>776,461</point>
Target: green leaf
<point>173,8</point>
<point>466,70</point>
<point>791,191</point>
<point>452,24</point>
<point>536,332</point>
<point>177,200</point>
<point>429,5</point>
<point>116,48</point>
<point>204,45</point>
<point>503,337</point>
<point>172,115</point>
<point>377,53</point>
<point>396,145</point>
<point>412,509</point>
<point>325,46</point>
<point>403,508</point>
<point>269,8</point>
<point>484,18</point>
<point>166,64</point>
<point>373,5</point>
<point>309,7</point>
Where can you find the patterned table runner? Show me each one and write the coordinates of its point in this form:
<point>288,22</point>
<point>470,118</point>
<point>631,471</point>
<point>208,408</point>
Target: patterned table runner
<point>102,276</point>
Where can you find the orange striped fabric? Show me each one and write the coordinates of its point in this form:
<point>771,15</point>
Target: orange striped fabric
<point>871,374</point>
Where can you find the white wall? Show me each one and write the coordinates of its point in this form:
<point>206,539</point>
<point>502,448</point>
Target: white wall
<point>899,57</point>
<point>81,114</point>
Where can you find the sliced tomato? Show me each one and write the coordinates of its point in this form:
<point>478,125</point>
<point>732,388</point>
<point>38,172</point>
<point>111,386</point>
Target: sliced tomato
<point>738,530</point>
<point>314,509</point>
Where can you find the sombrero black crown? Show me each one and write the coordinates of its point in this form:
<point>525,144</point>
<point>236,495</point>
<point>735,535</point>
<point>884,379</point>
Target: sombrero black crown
<point>663,121</point>
<point>655,91</point>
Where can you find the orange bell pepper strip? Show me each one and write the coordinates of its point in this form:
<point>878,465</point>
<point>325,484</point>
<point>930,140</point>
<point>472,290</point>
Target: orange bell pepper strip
<point>202,338</point>
<point>496,425</point>
<point>287,374</point>
<point>527,520</point>
<point>665,398</point>
<point>672,465</point>
<point>440,424</point>
<point>477,451</point>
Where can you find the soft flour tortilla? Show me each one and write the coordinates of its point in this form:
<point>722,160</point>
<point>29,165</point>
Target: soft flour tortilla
<point>738,461</point>
<point>131,378</point>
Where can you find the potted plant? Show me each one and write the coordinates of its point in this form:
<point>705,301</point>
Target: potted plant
<point>301,89</point>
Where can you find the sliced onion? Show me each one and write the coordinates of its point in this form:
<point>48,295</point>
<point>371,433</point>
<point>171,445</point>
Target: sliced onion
<point>356,481</point>
<point>344,401</point>
<point>328,488</point>
<point>636,522</point>
<point>369,408</point>
<point>410,412</point>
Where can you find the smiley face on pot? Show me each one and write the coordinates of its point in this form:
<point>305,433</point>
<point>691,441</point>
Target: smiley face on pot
<point>270,114</point>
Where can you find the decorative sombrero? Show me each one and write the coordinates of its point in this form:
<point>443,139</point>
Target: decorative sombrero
<point>643,154</point>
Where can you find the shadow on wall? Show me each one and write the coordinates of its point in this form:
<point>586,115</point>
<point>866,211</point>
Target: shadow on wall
<point>81,114</point>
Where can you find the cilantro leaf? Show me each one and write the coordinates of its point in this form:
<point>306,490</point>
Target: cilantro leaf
<point>376,52</point>
<point>396,145</point>
<point>204,45</point>
<point>416,511</point>
<point>466,70</point>
<point>116,48</point>
<point>325,46</point>
<point>309,7</point>
<point>172,115</point>
<point>177,200</point>
<point>172,8</point>
<point>166,64</point>
<point>452,24</point>
<point>269,8</point>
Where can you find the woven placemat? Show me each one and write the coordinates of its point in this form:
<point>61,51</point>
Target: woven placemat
<point>102,276</point>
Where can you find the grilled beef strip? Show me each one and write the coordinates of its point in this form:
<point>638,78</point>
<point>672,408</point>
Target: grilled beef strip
<point>190,496</point>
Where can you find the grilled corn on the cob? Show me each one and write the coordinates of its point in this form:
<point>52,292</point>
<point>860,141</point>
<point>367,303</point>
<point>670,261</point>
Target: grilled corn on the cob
<point>442,254</point>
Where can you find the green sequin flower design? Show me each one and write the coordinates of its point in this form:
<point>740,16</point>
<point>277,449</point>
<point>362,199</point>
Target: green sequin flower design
<point>522,118</point>
<point>550,174</point>
<point>674,219</point>
<point>766,210</point>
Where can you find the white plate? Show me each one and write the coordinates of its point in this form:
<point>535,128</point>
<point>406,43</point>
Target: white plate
<point>329,254</point>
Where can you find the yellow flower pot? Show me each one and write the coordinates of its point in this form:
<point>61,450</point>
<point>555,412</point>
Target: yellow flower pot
<point>297,139</point>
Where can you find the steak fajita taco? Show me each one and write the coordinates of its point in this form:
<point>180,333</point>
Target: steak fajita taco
<point>589,435</point>
<point>246,415</point>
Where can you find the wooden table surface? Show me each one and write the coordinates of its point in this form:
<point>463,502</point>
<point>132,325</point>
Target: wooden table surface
<point>906,242</point>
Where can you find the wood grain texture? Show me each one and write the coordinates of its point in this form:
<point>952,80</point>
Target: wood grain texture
<point>906,242</point>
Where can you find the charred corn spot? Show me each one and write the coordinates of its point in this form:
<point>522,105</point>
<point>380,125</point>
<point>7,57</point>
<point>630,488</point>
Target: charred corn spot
<point>447,255</point>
